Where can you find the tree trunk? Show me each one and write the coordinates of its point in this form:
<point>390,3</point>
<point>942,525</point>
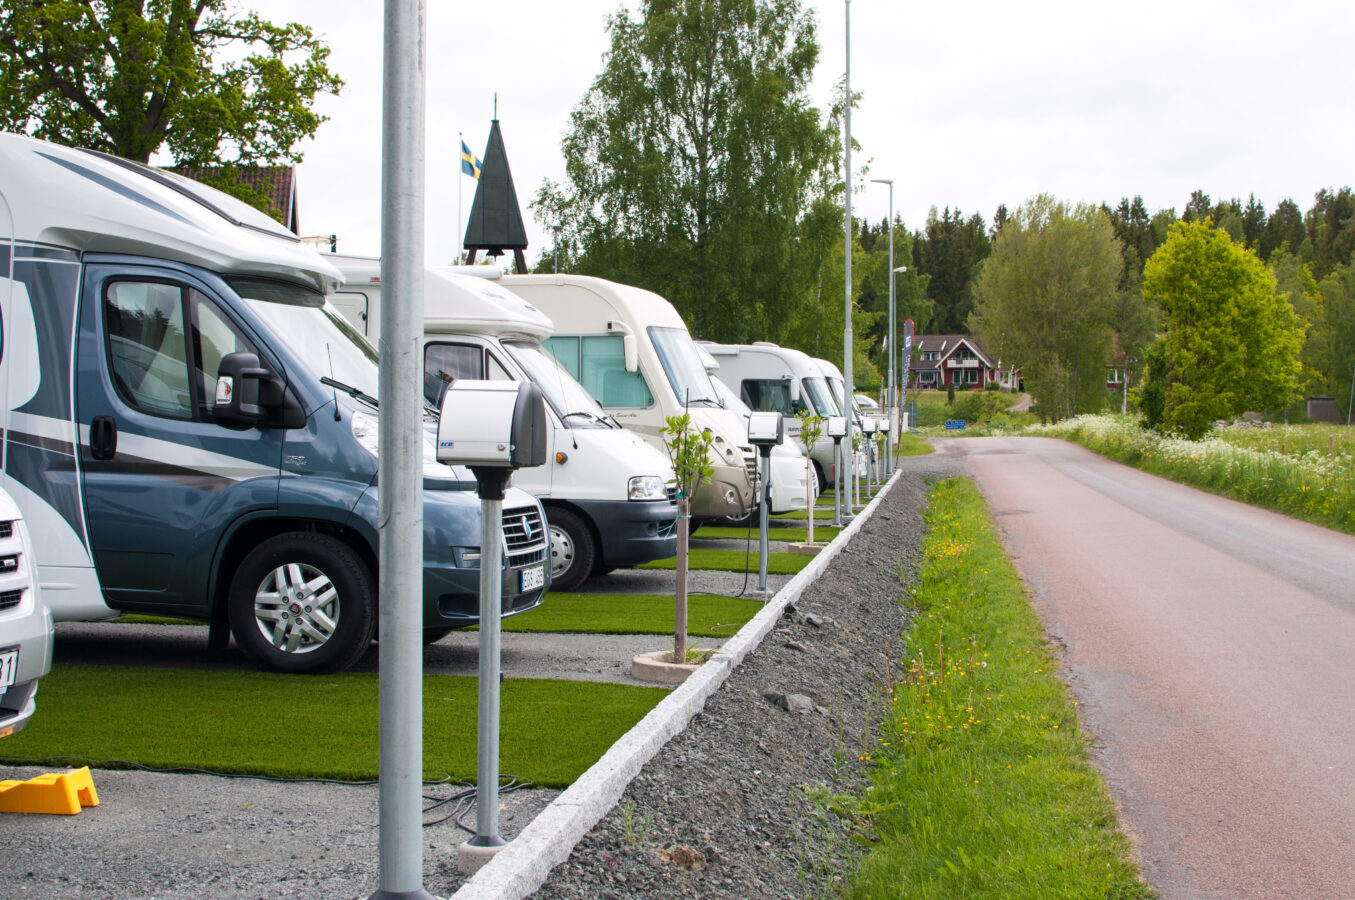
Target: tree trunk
<point>680,594</point>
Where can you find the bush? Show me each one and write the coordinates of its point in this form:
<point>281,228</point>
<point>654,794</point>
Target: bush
<point>992,386</point>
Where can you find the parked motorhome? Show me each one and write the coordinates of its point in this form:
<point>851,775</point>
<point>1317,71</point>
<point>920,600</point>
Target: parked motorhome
<point>631,350</point>
<point>769,378</point>
<point>606,492</point>
<point>25,624</point>
<point>191,430</point>
<point>788,490</point>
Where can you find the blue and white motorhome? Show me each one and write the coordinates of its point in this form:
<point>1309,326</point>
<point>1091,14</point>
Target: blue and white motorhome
<point>191,430</point>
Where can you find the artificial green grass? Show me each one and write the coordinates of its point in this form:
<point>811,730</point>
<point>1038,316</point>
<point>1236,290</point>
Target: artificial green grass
<point>138,619</point>
<point>819,513</point>
<point>981,784</point>
<point>735,561</point>
<point>775,532</point>
<point>708,615</point>
<point>308,726</point>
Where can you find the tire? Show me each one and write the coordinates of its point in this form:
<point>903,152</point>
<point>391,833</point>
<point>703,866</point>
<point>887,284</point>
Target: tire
<point>823,479</point>
<point>329,616</point>
<point>572,549</point>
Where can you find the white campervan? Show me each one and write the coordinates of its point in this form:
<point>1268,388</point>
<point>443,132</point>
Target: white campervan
<point>788,483</point>
<point>606,492</point>
<point>769,378</point>
<point>631,350</point>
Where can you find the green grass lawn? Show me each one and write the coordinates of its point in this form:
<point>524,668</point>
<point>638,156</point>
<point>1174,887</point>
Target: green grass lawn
<point>912,444</point>
<point>735,561</point>
<point>980,781</point>
<point>776,531</point>
<point>307,726</point>
<point>708,615</point>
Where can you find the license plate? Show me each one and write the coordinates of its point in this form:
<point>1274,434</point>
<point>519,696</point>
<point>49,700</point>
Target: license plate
<point>533,578</point>
<point>9,667</point>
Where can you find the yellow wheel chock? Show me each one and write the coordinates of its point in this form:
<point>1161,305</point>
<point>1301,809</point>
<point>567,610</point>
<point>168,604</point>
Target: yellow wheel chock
<point>57,793</point>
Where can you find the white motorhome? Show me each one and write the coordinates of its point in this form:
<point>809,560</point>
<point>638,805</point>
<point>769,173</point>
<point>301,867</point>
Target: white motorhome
<point>631,350</point>
<point>769,378</point>
<point>191,430</point>
<point>788,490</point>
<point>606,492</point>
<point>25,624</point>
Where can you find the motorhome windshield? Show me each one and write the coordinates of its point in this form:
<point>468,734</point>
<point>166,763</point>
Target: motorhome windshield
<point>836,385</point>
<point>315,331</point>
<point>575,406</point>
<point>682,364</point>
<point>824,403</point>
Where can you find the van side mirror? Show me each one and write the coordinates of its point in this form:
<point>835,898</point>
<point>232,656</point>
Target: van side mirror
<point>628,350</point>
<point>794,389</point>
<point>238,378</point>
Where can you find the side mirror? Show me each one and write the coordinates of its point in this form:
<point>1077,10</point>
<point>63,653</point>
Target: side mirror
<point>631,355</point>
<point>794,388</point>
<point>236,404</point>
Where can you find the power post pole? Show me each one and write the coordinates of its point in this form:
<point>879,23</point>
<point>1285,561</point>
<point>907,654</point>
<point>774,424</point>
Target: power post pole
<point>848,386</point>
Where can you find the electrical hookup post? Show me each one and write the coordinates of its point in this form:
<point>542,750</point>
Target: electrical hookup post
<point>837,430</point>
<point>765,431</point>
<point>494,428</point>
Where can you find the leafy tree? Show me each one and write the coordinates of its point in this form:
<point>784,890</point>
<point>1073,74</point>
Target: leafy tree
<point>1331,228</point>
<point>1285,226</point>
<point>1232,342</point>
<point>689,451</point>
<point>212,85</point>
<point>1332,342</point>
<point>1046,295</point>
<point>695,160</point>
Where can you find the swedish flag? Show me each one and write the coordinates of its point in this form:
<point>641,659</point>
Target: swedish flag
<point>469,164</point>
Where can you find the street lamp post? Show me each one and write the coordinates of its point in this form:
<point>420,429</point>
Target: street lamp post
<point>897,353</point>
<point>890,341</point>
<point>849,385</point>
<point>556,229</point>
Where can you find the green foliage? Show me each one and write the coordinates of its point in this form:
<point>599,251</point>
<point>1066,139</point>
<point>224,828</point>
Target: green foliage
<point>1047,294</point>
<point>811,428</point>
<point>980,779</point>
<point>216,86</point>
<point>948,252</point>
<point>693,160</point>
<point>689,451</point>
<point>1232,342</point>
<point>552,730</point>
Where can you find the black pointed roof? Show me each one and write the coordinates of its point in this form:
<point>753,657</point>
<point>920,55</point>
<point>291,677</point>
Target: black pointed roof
<point>495,218</point>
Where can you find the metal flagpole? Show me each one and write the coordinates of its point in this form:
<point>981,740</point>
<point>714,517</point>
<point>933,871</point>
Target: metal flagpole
<point>460,179</point>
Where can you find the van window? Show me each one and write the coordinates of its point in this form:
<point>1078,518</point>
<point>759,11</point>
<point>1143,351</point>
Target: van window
<point>598,362</point>
<point>445,363</point>
<point>770,395</point>
<point>147,349</point>
<point>154,368</point>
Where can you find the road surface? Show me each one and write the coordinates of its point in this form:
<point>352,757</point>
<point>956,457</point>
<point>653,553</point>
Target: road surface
<point>1211,648</point>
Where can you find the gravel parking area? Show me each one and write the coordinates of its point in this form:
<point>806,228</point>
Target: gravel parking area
<point>721,811</point>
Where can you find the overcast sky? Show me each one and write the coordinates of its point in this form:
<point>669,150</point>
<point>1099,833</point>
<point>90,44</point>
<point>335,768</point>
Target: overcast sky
<point>966,104</point>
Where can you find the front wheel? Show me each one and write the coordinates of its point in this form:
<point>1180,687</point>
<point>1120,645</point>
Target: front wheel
<point>303,602</point>
<point>572,549</point>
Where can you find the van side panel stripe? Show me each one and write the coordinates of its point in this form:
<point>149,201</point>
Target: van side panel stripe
<point>46,464</point>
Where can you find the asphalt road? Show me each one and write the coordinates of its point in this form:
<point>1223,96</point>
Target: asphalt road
<point>1211,648</point>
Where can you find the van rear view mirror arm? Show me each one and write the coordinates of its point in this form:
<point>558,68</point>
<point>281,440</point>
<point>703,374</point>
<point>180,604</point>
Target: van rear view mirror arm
<point>237,391</point>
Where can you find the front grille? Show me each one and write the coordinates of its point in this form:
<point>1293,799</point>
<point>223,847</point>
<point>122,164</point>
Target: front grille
<point>524,536</point>
<point>750,463</point>
<point>10,599</point>
<point>6,529</point>
<point>671,491</point>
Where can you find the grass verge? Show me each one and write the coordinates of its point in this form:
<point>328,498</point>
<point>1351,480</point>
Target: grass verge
<point>912,444</point>
<point>708,615</point>
<point>981,785</point>
<point>299,726</point>
<point>735,561</point>
<point>1304,471</point>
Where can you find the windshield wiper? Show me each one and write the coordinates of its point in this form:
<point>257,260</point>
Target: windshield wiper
<point>348,389</point>
<point>592,416</point>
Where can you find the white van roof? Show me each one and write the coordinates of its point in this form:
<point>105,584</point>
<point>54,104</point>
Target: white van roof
<point>95,203</point>
<point>459,303</point>
<point>581,293</point>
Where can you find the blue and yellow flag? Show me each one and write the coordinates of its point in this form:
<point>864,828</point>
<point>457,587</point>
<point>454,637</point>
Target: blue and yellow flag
<point>469,164</point>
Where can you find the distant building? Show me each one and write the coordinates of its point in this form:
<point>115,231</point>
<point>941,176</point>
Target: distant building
<point>277,183</point>
<point>942,360</point>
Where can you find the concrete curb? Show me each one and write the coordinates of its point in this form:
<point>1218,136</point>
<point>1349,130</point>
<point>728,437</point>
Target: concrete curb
<point>523,866</point>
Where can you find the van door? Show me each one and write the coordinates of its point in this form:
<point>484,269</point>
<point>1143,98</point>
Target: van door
<point>162,481</point>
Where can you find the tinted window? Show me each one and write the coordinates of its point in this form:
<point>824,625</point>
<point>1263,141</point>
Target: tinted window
<point>147,350</point>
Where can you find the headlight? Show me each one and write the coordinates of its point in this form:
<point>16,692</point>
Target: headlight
<point>647,487</point>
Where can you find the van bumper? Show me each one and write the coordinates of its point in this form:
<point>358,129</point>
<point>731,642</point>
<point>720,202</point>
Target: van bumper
<point>631,532</point>
<point>728,493</point>
<point>29,631</point>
